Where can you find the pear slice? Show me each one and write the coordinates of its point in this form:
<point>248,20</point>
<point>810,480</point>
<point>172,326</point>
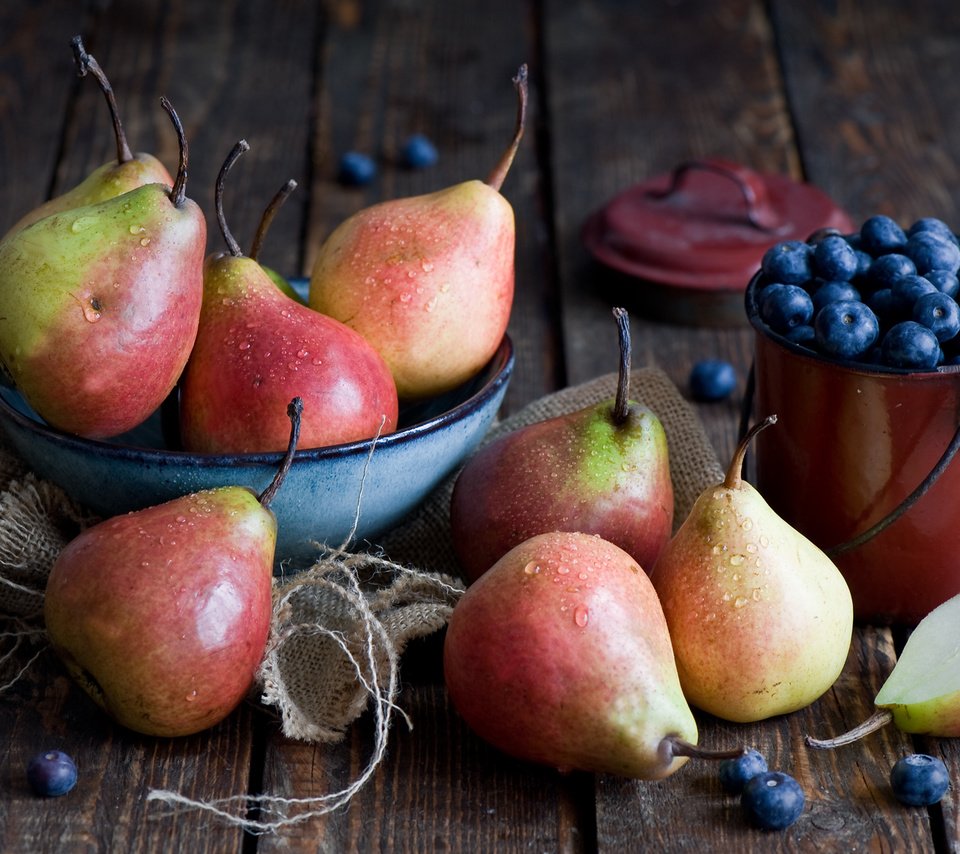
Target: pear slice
<point>922,693</point>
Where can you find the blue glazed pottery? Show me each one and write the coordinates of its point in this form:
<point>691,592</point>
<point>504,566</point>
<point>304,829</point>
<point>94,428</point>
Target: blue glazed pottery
<point>320,501</point>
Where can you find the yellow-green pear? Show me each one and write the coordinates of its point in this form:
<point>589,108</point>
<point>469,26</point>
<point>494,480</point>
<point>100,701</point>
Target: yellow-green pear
<point>922,692</point>
<point>127,172</point>
<point>428,280</point>
<point>99,305</point>
<point>760,618</point>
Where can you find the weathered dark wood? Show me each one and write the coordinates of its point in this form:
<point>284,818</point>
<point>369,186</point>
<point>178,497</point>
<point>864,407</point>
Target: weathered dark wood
<point>839,93</point>
<point>117,769</point>
<point>634,90</point>
<point>37,79</point>
<point>874,97</point>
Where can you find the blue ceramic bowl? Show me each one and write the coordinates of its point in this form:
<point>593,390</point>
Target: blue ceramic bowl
<point>319,499</point>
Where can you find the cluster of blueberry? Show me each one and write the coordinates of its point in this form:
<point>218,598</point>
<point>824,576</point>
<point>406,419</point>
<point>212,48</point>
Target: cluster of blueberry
<point>880,296</point>
<point>356,168</point>
<point>774,800</point>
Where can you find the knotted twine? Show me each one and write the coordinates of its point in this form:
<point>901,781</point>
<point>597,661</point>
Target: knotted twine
<point>339,627</point>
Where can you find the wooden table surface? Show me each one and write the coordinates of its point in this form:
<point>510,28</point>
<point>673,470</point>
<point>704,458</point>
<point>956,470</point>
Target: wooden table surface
<point>859,98</point>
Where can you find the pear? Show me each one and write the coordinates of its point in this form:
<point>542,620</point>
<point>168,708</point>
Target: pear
<point>99,305</point>
<point>922,693</point>
<point>162,615</point>
<point>559,654</point>
<point>600,470</point>
<point>257,347</point>
<point>761,619</point>
<point>111,179</point>
<point>427,279</point>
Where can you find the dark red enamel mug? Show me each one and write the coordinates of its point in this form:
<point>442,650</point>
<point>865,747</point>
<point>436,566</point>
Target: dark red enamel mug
<point>850,446</point>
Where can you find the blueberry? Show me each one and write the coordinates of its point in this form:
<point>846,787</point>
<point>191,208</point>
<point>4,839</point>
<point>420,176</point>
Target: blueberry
<point>910,345</point>
<point>919,780</point>
<point>802,335</point>
<point>712,379</point>
<point>939,313</point>
<point>734,773</point>
<point>930,251</point>
<point>846,329</point>
<point>880,235</point>
<point>787,262</point>
<point>773,800</point>
<point>821,233</point>
<point>783,306</point>
<point>51,773</point>
<point>834,259</point>
<point>833,292</point>
<point>906,290</point>
<point>864,260</point>
<point>945,281</point>
<point>932,223</point>
<point>886,269</point>
<point>356,169</point>
<point>881,304</point>
<point>418,152</point>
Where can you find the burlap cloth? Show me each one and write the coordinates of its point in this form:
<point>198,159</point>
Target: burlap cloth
<point>340,627</point>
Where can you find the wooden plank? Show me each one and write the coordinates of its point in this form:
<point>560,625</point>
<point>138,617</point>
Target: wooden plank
<point>677,92</point>
<point>858,82</point>
<point>854,76</point>
<point>635,90</point>
<point>108,809</point>
<point>439,788</point>
<point>37,80</point>
<point>233,84</point>
<point>443,70</point>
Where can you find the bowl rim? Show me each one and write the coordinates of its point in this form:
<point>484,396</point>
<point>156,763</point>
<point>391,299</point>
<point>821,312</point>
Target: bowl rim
<point>500,367</point>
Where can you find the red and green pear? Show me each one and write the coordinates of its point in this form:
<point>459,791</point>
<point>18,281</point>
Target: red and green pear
<point>162,615</point>
<point>428,280</point>
<point>99,305</point>
<point>603,470</point>
<point>559,655</point>
<point>119,176</point>
<point>257,347</point>
<point>761,619</point>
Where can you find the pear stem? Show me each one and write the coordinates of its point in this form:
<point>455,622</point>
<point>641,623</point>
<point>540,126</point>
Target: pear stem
<point>878,719</point>
<point>294,413</point>
<point>179,190</point>
<point>269,213</point>
<point>499,173</point>
<point>86,63</point>
<point>673,745</point>
<point>735,472</point>
<point>239,147</point>
<point>621,406</point>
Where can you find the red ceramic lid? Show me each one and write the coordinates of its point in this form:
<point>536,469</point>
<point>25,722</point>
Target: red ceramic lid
<point>707,224</point>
